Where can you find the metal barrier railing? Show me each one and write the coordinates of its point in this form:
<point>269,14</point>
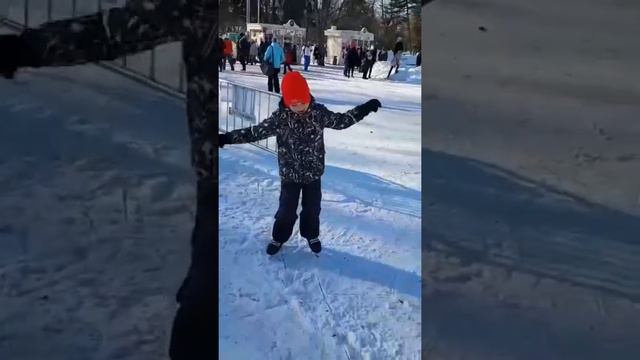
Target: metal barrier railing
<point>161,67</point>
<point>241,106</point>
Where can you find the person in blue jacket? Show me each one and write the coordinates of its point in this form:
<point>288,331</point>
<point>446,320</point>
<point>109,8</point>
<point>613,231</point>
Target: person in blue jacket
<point>275,57</point>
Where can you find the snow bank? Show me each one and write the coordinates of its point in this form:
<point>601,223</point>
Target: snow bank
<point>412,75</point>
<point>407,73</point>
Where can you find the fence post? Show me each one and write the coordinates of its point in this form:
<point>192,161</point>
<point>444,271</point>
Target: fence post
<point>49,10</point>
<point>234,91</point>
<point>152,65</point>
<point>227,106</point>
<point>182,70</point>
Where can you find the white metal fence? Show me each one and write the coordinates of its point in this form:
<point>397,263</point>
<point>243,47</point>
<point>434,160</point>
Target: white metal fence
<point>242,106</point>
<point>161,67</point>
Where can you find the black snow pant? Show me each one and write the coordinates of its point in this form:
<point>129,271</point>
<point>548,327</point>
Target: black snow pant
<point>243,61</point>
<point>390,70</point>
<point>287,212</point>
<point>273,82</point>
<point>370,69</point>
<point>365,69</point>
<point>195,321</point>
<point>351,70</point>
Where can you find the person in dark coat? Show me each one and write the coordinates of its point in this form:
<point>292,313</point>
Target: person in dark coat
<point>262,49</point>
<point>353,60</point>
<point>419,59</point>
<point>289,58</point>
<point>373,55</point>
<point>298,125</point>
<point>316,54</point>
<point>134,28</point>
<point>367,63</point>
<point>321,55</point>
<point>295,55</point>
<point>244,49</point>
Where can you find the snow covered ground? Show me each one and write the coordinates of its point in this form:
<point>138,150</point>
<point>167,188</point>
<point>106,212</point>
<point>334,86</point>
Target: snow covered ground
<point>96,209</point>
<point>531,180</point>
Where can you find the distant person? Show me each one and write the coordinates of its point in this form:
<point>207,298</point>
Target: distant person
<point>397,56</point>
<point>353,60</point>
<point>228,52</point>
<point>321,55</point>
<point>419,59</point>
<point>295,55</point>
<point>298,125</point>
<point>345,61</point>
<point>307,52</point>
<point>289,59</point>
<point>367,63</point>
<point>373,55</point>
<point>316,56</point>
<point>244,48</point>
<point>221,60</point>
<point>274,56</point>
<point>253,52</point>
<point>262,49</point>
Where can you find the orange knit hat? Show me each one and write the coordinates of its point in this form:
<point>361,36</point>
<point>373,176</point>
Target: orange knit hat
<point>295,89</point>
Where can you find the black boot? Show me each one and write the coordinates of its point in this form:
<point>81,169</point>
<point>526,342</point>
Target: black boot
<point>273,247</point>
<point>315,245</point>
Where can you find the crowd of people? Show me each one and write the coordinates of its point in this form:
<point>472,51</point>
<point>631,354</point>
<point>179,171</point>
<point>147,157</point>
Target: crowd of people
<point>275,57</point>
<point>363,59</point>
<point>249,51</point>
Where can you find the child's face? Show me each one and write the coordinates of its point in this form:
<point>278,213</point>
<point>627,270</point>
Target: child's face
<point>299,107</point>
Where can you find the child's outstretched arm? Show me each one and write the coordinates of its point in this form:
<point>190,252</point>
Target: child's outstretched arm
<point>340,121</point>
<point>263,130</point>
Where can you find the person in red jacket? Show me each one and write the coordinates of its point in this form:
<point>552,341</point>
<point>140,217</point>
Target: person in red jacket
<point>228,52</point>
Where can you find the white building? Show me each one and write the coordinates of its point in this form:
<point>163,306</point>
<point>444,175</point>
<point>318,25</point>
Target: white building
<point>337,39</point>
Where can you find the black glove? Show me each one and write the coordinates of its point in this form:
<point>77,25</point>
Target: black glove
<point>366,108</point>
<point>373,105</point>
<point>223,139</point>
<point>15,54</point>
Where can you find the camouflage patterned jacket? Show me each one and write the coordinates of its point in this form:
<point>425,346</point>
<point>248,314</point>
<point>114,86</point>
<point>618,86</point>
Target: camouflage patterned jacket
<point>138,26</point>
<point>300,138</point>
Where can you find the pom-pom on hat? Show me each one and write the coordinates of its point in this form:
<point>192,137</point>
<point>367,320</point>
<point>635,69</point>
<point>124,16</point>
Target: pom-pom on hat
<point>295,89</point>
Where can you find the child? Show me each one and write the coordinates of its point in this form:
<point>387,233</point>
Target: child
<point>298,126</point>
